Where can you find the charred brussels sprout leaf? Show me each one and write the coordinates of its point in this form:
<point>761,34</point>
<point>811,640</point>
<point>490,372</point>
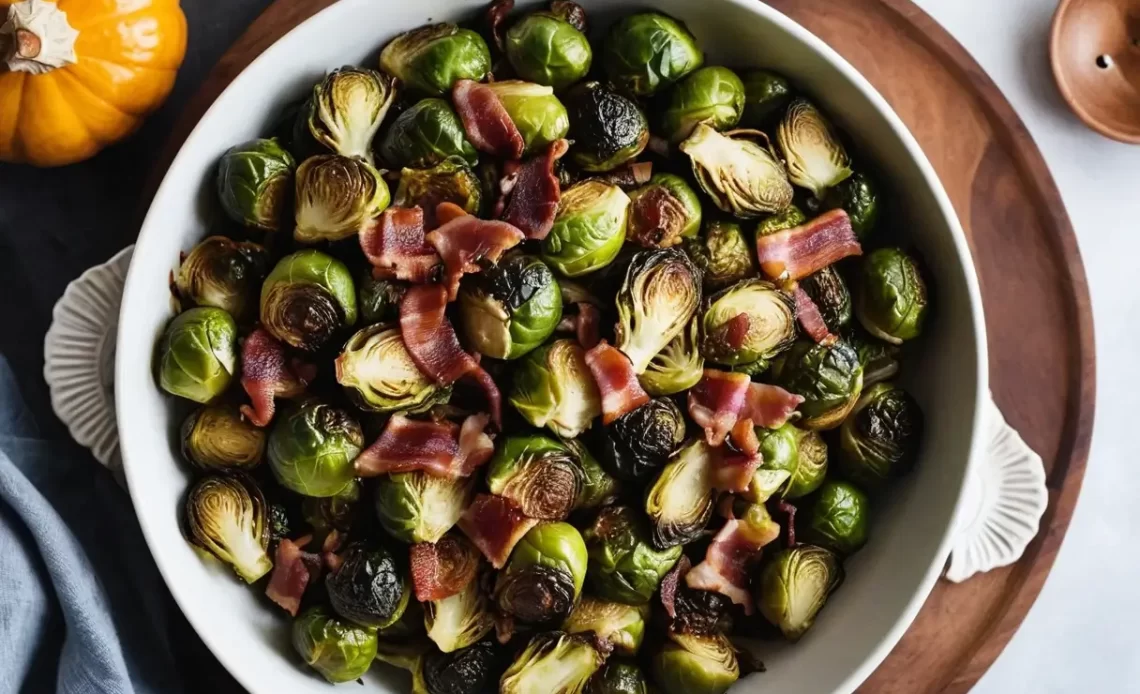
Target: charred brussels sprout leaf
<point>811,464</point>
<point>795,585</point>
<point>227,516</point>
<point>599,488</point>
<point>253,183</point>
<point>859,197</point>
<point>829,377</point>
<point>680,502</point>
<point>420,507</point>
<point>767,328</point>
<point>553,388</point>
<point>829,293</point>
<point>722,254</point>
<point>742,176</point>
<point>216,437</point>
<point>663,211</point>
<point>510,309</point>
<point>618,677</point>
<point>306,298</point>
<point>588,230</point>
<point>879,441</point>
<point>677,367</point>
<point>649,50</point>
<point>336,196</point>
<point>434,57</point>
<point>890,297</point>
<point>471,670</point>
<point>815,157</point>
<point>311,449</point>
<point>657,299</point>
<point>448,181</point>
<point>328,513</point>
<point>621,625</point>
<point>789,218</point>
<point>700,612</point>
<point>379,375</point>
<point>540,475</point>
<point>712,95</point>
<point>379,300</point>
<point>545,48</point>
<point>369,588</point>
<point>426,134</point>
<point>640,441</point>
<point>838,518</point>
<point>460,620</point>
<point>607,128</point>
<point>544,576</point>
<point>780,450</point>
<point>197,355</point>
<point>224,274</point>
<point>554,662</point>
<point>536,112</point>
<point>346,109</point>
<point>340,650</point>
<point>624,566</point>
<point>879,359</point>
<point>695,664</point>
<point>766,95</point>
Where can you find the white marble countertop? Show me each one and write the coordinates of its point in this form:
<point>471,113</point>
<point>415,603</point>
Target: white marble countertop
<point>1081,634</point>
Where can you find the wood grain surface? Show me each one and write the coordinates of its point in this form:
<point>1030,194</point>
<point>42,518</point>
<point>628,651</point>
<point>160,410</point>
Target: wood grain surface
<point>1036,297</point>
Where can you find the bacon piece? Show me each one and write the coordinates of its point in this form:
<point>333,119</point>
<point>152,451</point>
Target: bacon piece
<point>795,253</point>
<point>613,372</point>
<point>536,192</point>
<point>733,550</point>
<point>657,218</point>
<point>443,449</point>
<point>293,570</point>
<point>442,569</point>
<point>769,406</point>
<point>466,242</point>
<point>268,372</point>
<point>495,525</point>
<point>807,313</point>
<point>732,472</point>
<point>494,17</point>
<point>789,510</point>
<point>447,211</point>
<point>394,245</point>
<point>488,125</point>
<point>716,402</point>
<point>430,337</point>
<point>671,583</point>
<point>733,332</point>
<point>743,437</point>
<point>588,325</point>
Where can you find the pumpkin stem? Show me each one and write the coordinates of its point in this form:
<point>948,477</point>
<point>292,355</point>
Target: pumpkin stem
<point>37,37</point>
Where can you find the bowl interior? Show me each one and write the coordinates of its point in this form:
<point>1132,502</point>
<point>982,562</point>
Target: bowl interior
<point>886,583</point>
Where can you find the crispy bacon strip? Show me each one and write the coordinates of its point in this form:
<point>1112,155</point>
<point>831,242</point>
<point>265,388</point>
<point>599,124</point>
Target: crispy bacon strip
<point>613,372</point>
<point>807,313</point>
<point>536,192</point>
<point>495,525</point>
<point>466,242</point>
<point>716,402</point>
<point>394,245</point>
<point>671,583</point>
<point>443,449</point>
<point>743,436</point>
<point>732,471</point>
<point>733,332</point>
<point>293,570</point>
<point>795,253</point>
<point>268,372</point>
<point>488,125</point>
<point>769,406</point>
<point>442,569</point>
<point>733,550</point>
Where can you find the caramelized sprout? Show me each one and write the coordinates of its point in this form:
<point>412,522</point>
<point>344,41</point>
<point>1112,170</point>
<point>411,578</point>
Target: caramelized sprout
<point>336,196</point>
<point>307,298</point>
<point>510,309</point>
<point>795,585</point>
<point>253,183</point>
<point>544,576</point>
<point>311,449</point>
<point>879,440</point>
<point>620,625</point>
<point>369,588</point>
<point>741,176</point>
<point>663,212</point>
<point>460,620</point>
<point>815,157</point>
<point>608,129</point>
<point>677,367</point>
<point>768,326</point>
<point>829,377</point>
<point>658,298</point>
<point>216,437</point>
<point>712,95</point>
<point>426,134</point>
<point>552,387</point>
<point>225,274</point>
<point>680,501</point>
<point>554,662</point>
<point>346,109</point>
<point>647,51</point>
<point>379,375</point>
<point>420,507</point>
<point>338,649</point>
<point>226,516</point>
<point>540,475</point>
<point>434,57</point>
<point>624,566</point>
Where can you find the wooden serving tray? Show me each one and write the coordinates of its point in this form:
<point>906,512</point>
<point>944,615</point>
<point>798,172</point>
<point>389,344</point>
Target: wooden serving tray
<point>1033,283</point>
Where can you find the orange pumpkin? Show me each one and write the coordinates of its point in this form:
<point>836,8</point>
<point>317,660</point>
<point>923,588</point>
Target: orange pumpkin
<point>78,75</point>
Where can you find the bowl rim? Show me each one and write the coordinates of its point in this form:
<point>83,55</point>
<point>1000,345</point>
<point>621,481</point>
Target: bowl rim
<point>151,223</point>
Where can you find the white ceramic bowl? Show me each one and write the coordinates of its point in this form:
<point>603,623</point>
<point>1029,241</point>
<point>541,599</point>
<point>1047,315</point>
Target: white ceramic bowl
<point>886,582</point>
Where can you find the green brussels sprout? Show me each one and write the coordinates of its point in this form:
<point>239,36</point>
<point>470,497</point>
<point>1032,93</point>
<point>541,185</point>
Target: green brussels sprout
<point>741,176</point>
<point>307,297</point>
<point>828,377</point>
<point>712,95</point>
<point>340,650</point>
<point>449,181</point>
<point>640,441</point>
<point>588,230</point>
<point>327,513</point>
<point>858,196</point>
<point>217,437</point>
<point>890,296</point>
<point>828,292</point>
<point>879,359</point>
<point>647,51</point>
<point>677,367</point>
<point>346,109</point>
<point>225,274</point>
<point>788,219</point>
<point>553,662</point>
<point>766,95</point>
<point>599,488</point>
<point>838,518</point>
<point>434,57</point>
<point>459,621</point>
<point>426,134</point>
<point>511,308</point>
<point>780,450</point>
<point>545,48</point>
<point>253,183</point>
<point>879,440</point>
<point>544,576</point>
<point>815,157</point>
<point>540,475</point>
<point>696,664</point>
<point>618,677</point>
<point>197,355</point>
<point>620,625</point>
<point>722,254</point>
<point>624,566</point>
<point>680,501</point>
<point>553,388</point>
<point>769,326</point>
<point>811,464</point>
<point>379,374</point>
<point>795,585</point>
<point>539,116</point>
<point>472,670</point>
<point>608,129</point>
<point>369,588</point>
<point>311,449</point>
<point>227,516</point>
<point>336,197</point>
<point>663,212</point>
<point>420,507</point>
<point>657,299</point>
<point>379,300</point>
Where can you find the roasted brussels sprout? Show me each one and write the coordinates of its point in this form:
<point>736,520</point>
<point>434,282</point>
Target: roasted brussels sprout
<point>544,576</point>
<point>880,439</point>
<point>879,359</point>
<point>829,377</point>
<point>769,326</point>
<point>336,196</point>
<point>588,230</point>
<point>766,95</point>
<point>511,308</point>
<point>471,670</point>
<point>197,355</point>
<point>780,450</point>
<point>434,57</point>
<point>623,564</point>
<point>811,464</point>
<point>599,488</point>
<point>306,298</point>
<point>554,388</point>
<point>379,300</point>
<point>459,621</point>
<point>607,128</point>
<point>859,197</point>
<point>815,157</point>
<point>340,650</point>
<point>795,585</point>
<point>699,612</point>
<point>680,501</point>
<point>696,664</point>
<point>426,134</point>
<point>639,442</point>
<point>657,299</point>
<point>619,624</point>
<point>663,212</point>
<point>552,663</point>
<point>545,48</point>
<point>253,183</point>
<point>311,448</point>
<point>722,254</point>
<point>346,109</point>
<point>225,274</point>
<point>327,513</point>
<point>828,292</point>
<point>369,588</point>
<point>890,296</point>
<point>540,475</point>
<point>647,51</point>
<point>420,507</point>
<point>838,518</point>
<point>789,218</point>
<point>742,177</point>
<point>216,437</point>
<point>618,677</point>
<point>449,181</point>
<point>227,516</point>
<point>712,95</point>
<point>379,375</point>
<point>539,116</point>
<point>677,367</point>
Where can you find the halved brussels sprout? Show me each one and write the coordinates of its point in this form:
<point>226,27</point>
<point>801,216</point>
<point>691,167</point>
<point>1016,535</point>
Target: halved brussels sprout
<point>829,377</point>
<point>879,440</point>
<point>879,359</point>
<point>767,329</point>
<point>811,464</point>
<point>624,566</point>
<point>327,513</point>
<point>620,625</point>
<point>225,274</point>
<point>649,50</point>
<point>795,585</point>
<point>657,299</point>
<point>695,664</point>
<point>217,437</point>
<point>555,663</point>
<point>306,298</point>
<point>700,612</point>
<point>890,296</point>
<point>588,230</point>
<point>544,576</point>
<point>379,300</point>
<point>789,218</point>
<point>197,355</point>
<point>340,650</point>
<point>858,196</point>
<point>539,116</point>
<point>712,95</point>
<point>741,176</point>
<point>336,196</point>
<point>449,181</point>
<point>424,135</point>
<point>311,448</point>
<point>253,183</point>
<point>766,95</point>
<point>346,109</point>
<point>545,48</point>
<point>421,507</point>
<point>838,518</point>
<point>680,501</point>
<point>511,308</point>
<point>459,621</point>
<point>553,388</point>
<point>379,375</point>
<point>677,367</point>
<point>722,254</point>
<point>618,677</point>
<point>226,516</point>
<point>472,670</point>
<point>599,488</point>
<point>828,292</point>
<point>640,441</point>
<point>780,450</point>
<point>815,157</point>
<point>540,475</point>
<point>434,57</point>
<point>663,212</point>
<point>607,128</point>
<point>369,588</point>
